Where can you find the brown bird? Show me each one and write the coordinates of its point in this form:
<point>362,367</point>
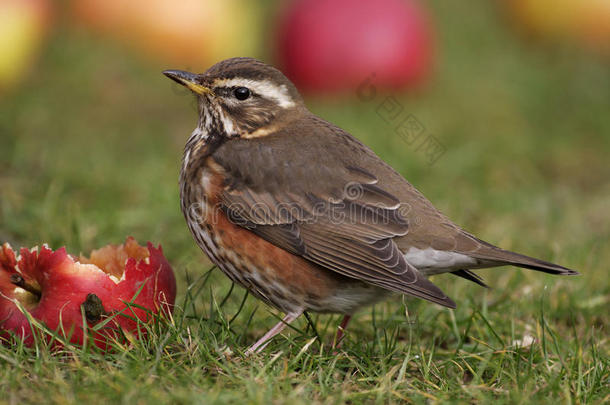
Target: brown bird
<point>305,216</point>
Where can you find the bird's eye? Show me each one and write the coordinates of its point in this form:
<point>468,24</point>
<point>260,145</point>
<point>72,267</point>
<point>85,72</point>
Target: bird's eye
<point>241,93</point>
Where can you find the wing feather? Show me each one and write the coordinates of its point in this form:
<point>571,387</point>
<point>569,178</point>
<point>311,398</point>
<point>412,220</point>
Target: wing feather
<point>352,235</point>
<point>334,213</point>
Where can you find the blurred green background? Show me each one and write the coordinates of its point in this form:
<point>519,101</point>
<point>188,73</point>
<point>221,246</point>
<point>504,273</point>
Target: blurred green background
<point>91,141</point>
<point>92,136</point>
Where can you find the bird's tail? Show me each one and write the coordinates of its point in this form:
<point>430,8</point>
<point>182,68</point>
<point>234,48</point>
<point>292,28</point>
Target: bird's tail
<point>499,257</point>
<point>491,256</point>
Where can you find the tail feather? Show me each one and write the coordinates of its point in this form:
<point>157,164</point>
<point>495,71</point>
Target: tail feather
<point>500,257</point>
<point>471,276</point>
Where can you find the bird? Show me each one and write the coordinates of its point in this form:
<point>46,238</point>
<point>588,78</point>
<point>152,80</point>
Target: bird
<point>305,216</point>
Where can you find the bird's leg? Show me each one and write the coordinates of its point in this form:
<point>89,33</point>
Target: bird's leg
<point>264,341</point>
<point>340,331</point>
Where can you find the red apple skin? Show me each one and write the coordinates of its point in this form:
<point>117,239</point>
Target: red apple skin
<point>65,283</point>
<point>334,45</point>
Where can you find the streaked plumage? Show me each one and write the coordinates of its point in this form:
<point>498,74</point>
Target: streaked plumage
<point>304,215</point>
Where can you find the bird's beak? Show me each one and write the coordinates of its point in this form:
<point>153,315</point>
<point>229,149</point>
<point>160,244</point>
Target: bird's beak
<point>188,80</point>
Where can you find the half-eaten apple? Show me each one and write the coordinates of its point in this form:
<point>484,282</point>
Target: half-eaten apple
<point>104,297</point>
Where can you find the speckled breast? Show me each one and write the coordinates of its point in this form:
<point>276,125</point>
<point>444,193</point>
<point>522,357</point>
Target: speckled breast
<point>277,277</point>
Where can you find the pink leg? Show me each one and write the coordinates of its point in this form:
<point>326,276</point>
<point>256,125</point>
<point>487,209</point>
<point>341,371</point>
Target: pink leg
<point>264,341</point>
<point>341,330</point>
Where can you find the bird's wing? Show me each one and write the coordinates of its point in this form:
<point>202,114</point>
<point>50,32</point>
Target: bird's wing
<point>316,202</point>
<point>428,227</point>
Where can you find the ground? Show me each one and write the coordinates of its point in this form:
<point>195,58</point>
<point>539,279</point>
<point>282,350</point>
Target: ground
<point>90,151</point>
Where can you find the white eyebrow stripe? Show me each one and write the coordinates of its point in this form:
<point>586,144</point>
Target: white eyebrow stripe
<point>263,87</point>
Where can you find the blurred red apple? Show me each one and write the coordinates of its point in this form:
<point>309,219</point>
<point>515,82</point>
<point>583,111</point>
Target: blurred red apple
<point>23,24</point>
<point>333,45</point>
<point>58,290</point>
<point>187,33</point>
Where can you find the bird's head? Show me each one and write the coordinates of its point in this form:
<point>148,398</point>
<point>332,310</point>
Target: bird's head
<point>241,98</point>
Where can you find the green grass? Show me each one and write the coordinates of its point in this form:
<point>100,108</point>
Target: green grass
<point>90,150</point>
<point>197,356</point>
